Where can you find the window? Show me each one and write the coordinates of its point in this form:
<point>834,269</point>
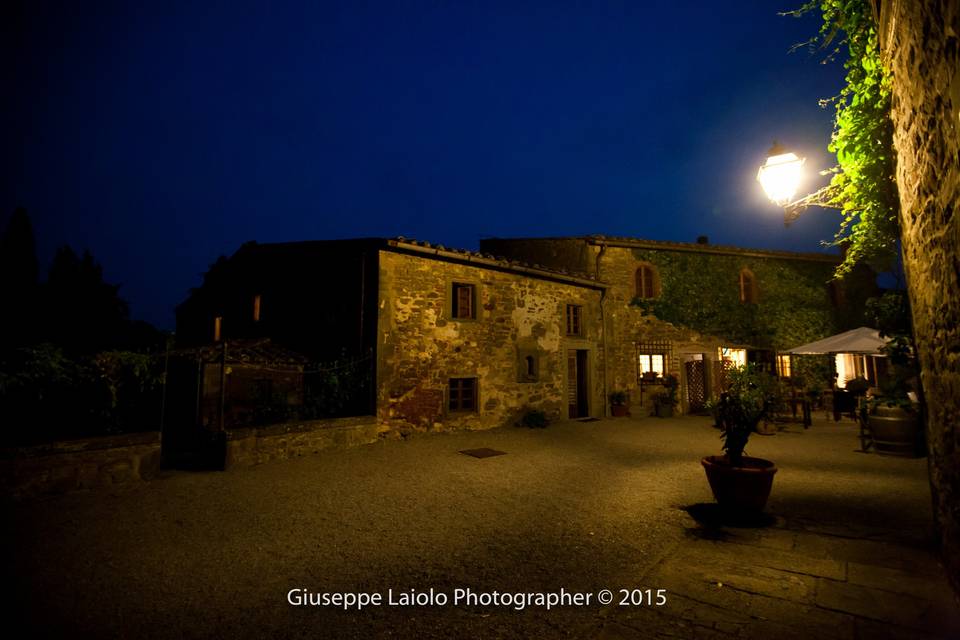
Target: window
<point>783,365</point>
<point>528,366</point>
<point>736,357</point>
<point>653,360</point>
<point>650,362</point>
<point>574,320</point>
<point>463,301</point>
<point>647,282</point>
<point>256,308</point>
<point>463,394</point>
<point>748,287</point>
<point>217,325</point>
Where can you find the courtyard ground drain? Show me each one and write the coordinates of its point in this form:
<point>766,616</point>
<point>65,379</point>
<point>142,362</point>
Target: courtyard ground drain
<point>483,453</point>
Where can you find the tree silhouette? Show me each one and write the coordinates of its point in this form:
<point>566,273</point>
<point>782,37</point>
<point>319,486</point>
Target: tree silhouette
<point>18,280</point>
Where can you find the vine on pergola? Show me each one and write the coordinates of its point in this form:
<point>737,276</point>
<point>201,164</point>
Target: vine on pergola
<point>863,184</point>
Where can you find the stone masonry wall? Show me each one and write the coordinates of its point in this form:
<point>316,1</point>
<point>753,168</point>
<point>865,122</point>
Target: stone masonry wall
<point>252,446</point>
<point>420,347</point>
<point>72,465</point>
<point>920,44</point>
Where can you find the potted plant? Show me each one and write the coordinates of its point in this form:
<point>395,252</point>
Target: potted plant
<point>741,483</point>
<point>618,404</point>
<point>666,401</point>
<point>893,416</point>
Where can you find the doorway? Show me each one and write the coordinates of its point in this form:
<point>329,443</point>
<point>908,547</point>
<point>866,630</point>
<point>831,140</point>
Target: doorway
<point>696,373</point>
<point>577,396</point>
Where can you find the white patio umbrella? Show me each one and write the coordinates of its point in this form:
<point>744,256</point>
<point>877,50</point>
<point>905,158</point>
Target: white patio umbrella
<point>860,341</point>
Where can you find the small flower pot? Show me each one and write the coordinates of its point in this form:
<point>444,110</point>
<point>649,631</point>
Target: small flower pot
<point>742,489</point>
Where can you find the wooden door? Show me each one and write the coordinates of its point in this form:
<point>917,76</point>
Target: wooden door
<point>577,390</point>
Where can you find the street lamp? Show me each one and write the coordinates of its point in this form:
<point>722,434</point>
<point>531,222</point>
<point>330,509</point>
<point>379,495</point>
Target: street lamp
<point>781,175</point>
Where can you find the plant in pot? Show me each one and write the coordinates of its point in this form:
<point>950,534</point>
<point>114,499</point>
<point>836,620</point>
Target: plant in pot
<point>741,483</point>
<point>666,401</point>
<point>618,404</point>
<point>893,417</point>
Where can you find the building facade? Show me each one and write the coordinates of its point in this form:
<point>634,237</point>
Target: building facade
<point>474,340</point>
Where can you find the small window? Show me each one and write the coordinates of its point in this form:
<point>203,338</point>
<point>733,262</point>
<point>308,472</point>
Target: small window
<point>748,287</point>
<point>217,326</point>
<point>647,282</point>
<point>463,302</point>
<point>528,367</point>
<point>574,320</point>
<point>463,394</point>
<point>256,308</point>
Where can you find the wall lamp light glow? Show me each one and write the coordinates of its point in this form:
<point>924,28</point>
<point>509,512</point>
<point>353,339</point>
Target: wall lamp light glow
<point>780,176</point>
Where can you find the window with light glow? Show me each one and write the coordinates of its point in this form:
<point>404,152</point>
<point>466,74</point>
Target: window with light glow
<point>217,327</point>
<point>256,308</point>
<point>648,362</point>
<point>783,365</point>
<point>736,357</point>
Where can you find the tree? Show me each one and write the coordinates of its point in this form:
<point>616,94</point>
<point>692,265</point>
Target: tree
<point>18,280</point>
<point>82,313</point>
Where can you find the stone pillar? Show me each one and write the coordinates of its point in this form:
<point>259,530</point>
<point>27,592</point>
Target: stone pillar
<point>919,39</point>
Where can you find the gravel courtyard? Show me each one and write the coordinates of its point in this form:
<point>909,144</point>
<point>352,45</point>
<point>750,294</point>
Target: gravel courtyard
<point>581,506</point>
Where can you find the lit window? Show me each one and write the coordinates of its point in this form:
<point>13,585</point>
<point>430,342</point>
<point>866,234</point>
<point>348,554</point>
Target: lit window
<point>256,308</point>
<point>646,277</point>
<point>463,305</point>
<point>463,394</point>
<point>783,365</point>
<point>574,320</point>
<point>650,363</point>
<point>748,287</point>
<point>736,357</point>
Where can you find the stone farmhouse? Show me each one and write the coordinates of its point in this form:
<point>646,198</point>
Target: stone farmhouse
<point>475,340</point>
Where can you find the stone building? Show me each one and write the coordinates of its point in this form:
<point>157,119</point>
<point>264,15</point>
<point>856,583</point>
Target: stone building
<point>458,339</point>
<point>693,309</point>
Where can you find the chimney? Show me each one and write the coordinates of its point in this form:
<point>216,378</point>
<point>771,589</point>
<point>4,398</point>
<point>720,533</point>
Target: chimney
<point>703,240</point>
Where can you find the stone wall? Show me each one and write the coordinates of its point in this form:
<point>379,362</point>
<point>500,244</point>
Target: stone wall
<point>252,446</point>
<point>920,44</point>
<point>420,347</point>
<point>72,465</point>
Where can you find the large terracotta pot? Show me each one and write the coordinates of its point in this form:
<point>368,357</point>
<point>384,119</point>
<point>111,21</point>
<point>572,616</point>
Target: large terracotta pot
<point>896,432</point>
<point>744,488</point>
<point>619,410</point>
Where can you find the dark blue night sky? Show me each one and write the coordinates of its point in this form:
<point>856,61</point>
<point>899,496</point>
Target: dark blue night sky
<point>161,135</point>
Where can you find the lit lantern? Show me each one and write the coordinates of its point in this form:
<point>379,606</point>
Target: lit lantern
<point>781,174</point>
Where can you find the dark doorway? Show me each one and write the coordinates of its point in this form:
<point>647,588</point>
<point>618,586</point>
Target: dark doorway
<point>577,396</point>
<point>696,385</point>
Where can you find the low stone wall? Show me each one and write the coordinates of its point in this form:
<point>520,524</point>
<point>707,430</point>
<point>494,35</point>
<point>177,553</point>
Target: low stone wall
<point>248,447</point>
<point>71,465</point>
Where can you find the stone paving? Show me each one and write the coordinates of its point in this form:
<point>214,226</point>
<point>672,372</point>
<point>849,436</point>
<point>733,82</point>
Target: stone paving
<point>735,582</point>
<point>610,504</point>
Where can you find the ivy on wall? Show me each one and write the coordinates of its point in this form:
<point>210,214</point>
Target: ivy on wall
<point>701,291</point>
